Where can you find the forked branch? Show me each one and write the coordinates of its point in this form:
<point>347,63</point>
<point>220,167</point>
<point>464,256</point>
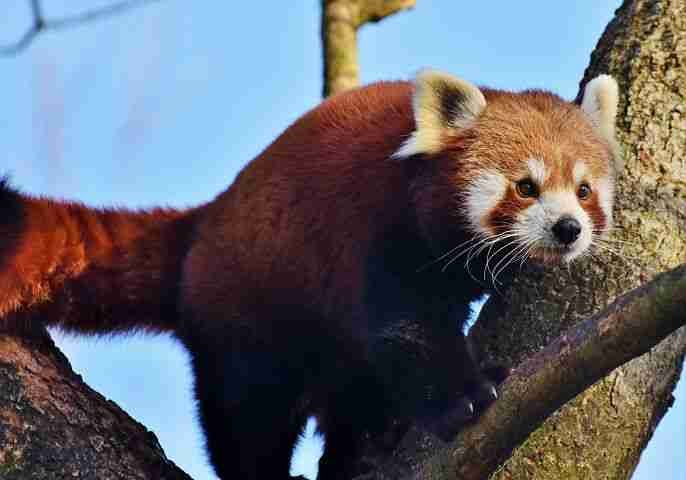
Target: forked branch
<point>340,21</point>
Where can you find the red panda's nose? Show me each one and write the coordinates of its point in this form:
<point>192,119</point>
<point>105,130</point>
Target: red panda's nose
<point>567,230</point>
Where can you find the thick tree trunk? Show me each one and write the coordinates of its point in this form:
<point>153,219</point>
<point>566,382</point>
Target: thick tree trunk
<point>53,426</point>
<point>601,433</point>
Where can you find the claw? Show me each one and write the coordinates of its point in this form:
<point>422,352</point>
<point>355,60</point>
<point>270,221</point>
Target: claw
<point>497,373</point>
<point>447,426</point>
<point>469,408</point>
<point>483,393</point>
<point>462,412</point>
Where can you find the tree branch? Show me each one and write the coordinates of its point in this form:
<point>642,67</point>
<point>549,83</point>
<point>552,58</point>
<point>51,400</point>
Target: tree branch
<point>584,354</point>
<point>377,10</point>
<point>39,24</point>
<point>52,425</point>
<point>630,327</point>
<point>340,21</point>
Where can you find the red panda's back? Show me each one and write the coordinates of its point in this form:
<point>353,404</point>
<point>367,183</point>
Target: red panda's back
<point>301,216</point>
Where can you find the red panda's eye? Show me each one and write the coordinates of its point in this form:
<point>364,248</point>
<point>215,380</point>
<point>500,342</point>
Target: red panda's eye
<point>584,191</point>
<point>527,188</point>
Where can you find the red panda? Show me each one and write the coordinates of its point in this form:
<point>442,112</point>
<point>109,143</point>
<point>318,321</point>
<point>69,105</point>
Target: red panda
<point>396,202</point>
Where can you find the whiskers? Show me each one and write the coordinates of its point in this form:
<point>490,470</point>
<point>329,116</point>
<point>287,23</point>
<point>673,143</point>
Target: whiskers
<point>498,252</point>
<point>517,243</point>
<point>602,245</point>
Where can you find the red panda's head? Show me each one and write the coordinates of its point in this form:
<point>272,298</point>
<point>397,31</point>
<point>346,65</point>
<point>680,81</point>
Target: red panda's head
<point>526,172</point>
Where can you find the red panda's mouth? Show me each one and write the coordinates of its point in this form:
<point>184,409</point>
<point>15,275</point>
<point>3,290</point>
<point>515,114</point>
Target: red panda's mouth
<point>553,255</point>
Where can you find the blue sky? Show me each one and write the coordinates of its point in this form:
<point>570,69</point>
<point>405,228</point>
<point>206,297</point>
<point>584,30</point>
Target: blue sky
<point>165,104</point>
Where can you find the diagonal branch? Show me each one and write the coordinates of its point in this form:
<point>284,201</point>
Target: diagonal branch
<point>54,426</point>
<point>630,327</point>
<point>39,24</point>
<point>588,351</point>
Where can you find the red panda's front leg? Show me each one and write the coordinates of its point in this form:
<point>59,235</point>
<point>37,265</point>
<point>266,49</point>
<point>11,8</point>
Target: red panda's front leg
<point>479,390</point>
<point>431,369</point>
<point>356,408</point>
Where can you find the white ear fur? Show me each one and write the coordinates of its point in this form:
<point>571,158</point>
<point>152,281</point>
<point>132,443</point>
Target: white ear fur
<point>599,103</point>
<point>441,101</point>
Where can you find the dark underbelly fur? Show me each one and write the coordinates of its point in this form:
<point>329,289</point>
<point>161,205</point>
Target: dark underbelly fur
<point>419,311</point>
<point>257,388</point>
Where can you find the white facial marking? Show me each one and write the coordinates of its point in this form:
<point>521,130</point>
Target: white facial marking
<point>538,220</point>
<point>605,189</point>
<point>539,173</point>
<point>579,172</point>
<point>483,195</point>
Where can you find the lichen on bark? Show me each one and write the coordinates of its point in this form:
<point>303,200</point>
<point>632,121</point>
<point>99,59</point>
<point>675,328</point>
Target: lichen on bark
<point>601,433</point>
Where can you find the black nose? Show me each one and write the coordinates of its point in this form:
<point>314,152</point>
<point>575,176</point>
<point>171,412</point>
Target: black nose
<point>567,230</point>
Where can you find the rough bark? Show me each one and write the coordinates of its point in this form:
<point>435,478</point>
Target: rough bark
<point>601,433</point>
<point>585,353</point>
<point>340,21</point>
<point>52,425</point>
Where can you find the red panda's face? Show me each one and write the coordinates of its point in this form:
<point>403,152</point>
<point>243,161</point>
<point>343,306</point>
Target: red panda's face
<point>533,175</point>
<point>537,176</point>
<point>549,218</point>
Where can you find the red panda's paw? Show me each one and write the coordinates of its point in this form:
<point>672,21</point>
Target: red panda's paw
<point>449,423</point>
<point>483,390</point>
<point>465,410</point>
<point>477,396</point>
<point>481,393</point>
<point>497,373</point>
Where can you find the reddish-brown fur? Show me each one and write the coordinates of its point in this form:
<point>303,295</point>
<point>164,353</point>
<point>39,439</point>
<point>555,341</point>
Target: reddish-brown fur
<point>281,285</point>
<point>90,270</point>
<point>298,223</point>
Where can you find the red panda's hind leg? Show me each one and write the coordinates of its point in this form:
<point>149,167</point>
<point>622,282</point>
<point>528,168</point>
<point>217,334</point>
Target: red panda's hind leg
<point>342,440</point>
<point>357,406</point>
<point>248,402</point>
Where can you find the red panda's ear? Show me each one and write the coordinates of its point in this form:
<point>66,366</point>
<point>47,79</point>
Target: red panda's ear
<point>599,103</point>
<point>440,102</point>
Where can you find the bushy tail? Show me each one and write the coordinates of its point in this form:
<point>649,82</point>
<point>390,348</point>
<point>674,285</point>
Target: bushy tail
<point>90,270</point>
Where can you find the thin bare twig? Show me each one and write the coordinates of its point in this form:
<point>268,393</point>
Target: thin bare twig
<point>39,24</point>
